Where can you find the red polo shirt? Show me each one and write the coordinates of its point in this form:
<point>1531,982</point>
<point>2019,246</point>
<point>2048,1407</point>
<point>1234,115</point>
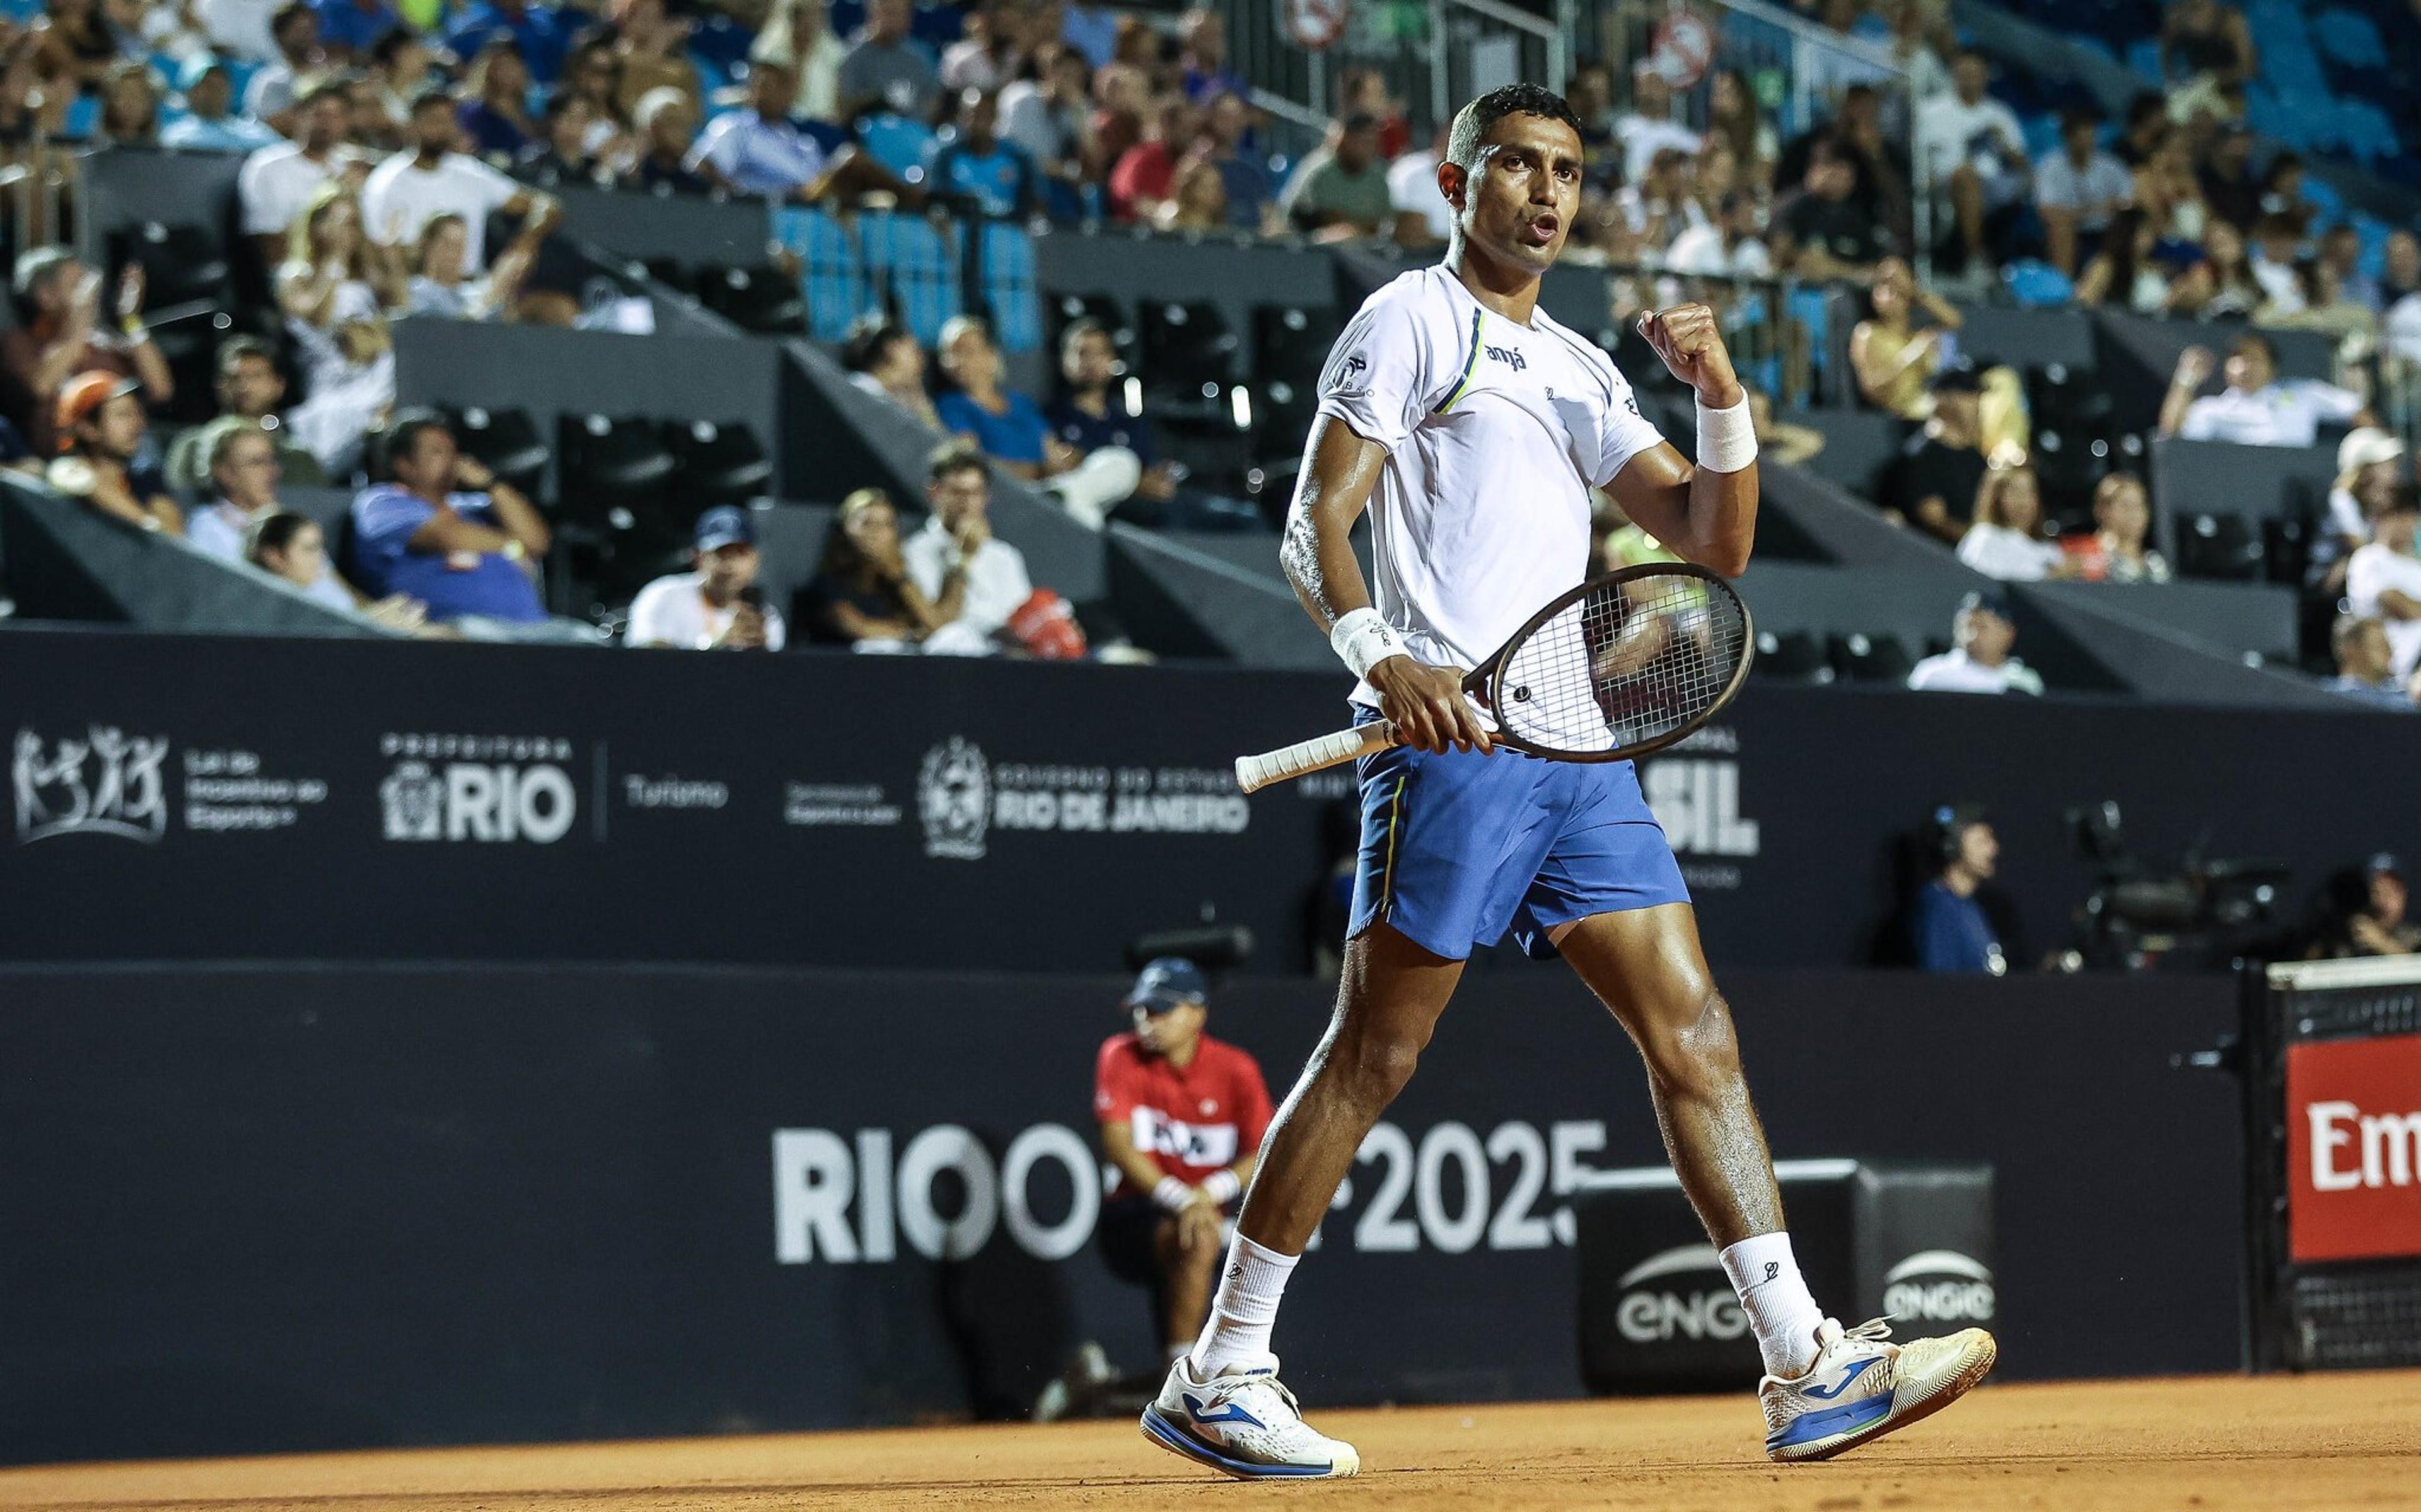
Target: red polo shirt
<point>1191,1121</point>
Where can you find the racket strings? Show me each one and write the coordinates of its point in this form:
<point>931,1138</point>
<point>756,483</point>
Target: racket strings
<point>1631,663</point>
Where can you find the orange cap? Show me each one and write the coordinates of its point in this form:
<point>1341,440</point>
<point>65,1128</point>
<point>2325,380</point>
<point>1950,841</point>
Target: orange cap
<point>79,396</point>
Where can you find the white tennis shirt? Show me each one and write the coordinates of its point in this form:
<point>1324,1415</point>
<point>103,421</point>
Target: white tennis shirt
<point>1495,433</point>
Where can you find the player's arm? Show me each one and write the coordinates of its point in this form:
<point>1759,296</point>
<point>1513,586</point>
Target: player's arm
<point>1423,703</point>
<point>1703,514</point>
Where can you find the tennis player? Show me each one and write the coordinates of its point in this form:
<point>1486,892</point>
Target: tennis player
<point>1473,428</point>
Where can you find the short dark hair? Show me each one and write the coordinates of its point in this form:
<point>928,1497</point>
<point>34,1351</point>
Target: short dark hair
<point>866,341</point>
<point>236,349</point>
<point>2076,116</point>
<point>952,457</point>
<point>431,93</point>
<point>2254,338</point>
<point>402,437</point>
<point>274,533</point>
<point>392,42</point>
<point>332,85</point>
<point>289,11</point>
<point>1473,121</point>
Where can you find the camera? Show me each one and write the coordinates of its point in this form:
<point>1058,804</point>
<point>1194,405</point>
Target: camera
<point>2195,916</point>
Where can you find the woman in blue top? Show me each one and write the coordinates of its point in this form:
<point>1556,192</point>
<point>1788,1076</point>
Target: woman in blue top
<point>1008,429</point>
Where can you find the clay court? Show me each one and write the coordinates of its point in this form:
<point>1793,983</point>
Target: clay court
<point>2276,1442</point>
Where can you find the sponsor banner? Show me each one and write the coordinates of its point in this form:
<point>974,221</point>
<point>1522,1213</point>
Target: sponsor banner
<point>1050,812</point>
<point>668,1200</point>
<point>2354,1148</point>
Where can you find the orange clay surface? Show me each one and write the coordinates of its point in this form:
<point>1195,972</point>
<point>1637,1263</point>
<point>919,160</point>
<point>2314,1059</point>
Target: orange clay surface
<point>2285,1443</point>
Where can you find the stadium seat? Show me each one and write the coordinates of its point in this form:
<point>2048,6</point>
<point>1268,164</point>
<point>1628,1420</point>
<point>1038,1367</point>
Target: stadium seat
<point>2035,285</point>
<point>762,301</point>
<point>897,143</point>
<point>719,463</point>
<point>1188,351</point>
<point>181,264</point>
<point>1006,266</point>
<point>915,267</point>
<point>1290,343</point>
<point>837,289</point>
<point>1860,658</point>
<point>2218,546</point>
<point>507,442</point>
<point>2285,550</point>
<point>616,493</point>
<point>1790,656</point>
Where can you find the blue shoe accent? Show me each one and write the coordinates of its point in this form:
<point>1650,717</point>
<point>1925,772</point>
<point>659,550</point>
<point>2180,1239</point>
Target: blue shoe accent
<point>1169,1436</point>
<point>1833,1420</point>
<point>1820,1392</point>
<point>1233,1414</point>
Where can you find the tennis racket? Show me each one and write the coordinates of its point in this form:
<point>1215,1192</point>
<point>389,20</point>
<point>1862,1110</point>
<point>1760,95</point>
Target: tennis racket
<point>1621,666</point>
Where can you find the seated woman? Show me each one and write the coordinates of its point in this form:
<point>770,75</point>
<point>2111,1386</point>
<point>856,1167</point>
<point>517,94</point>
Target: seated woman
<point>294,548</point>
<point>443,285</point>
<point>1008,429</point>
<point>2125,272</point>
<point>2122,514</point>
<point>2007,541</point>
<point>2220,286</point>
<point>1894,361</point>
<point>334,289</point>
<point>862,595</point>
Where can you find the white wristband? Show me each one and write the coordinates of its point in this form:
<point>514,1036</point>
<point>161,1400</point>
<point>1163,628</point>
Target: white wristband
<point>1726,438</point>
<point>1221,1187</point>
<point>1362,640</point>
<point>1173,1193</point>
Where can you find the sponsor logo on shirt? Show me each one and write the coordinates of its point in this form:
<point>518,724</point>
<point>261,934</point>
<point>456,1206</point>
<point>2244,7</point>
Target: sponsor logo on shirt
<point>1510,356</point>
<point>1157,1133</point>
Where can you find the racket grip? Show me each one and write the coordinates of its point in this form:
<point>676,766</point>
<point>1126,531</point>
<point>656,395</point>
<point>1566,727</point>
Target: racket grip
<point>1254,773</point>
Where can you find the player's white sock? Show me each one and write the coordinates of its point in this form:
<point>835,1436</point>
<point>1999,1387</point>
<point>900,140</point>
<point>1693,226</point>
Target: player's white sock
<point>1775,1298</point>
<point>1245,1308</point>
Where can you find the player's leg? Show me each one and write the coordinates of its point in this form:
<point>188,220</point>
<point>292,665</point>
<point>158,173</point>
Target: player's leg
<point>1222,1404</point>
<point>1826,1389</point>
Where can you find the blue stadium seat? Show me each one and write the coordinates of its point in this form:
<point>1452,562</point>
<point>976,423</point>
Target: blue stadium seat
<point>897,143</point>
<point>835,275</point>
<point>2144,56</point>
<point>918,266</point>
<point>2034,284</point>
<point>2350,38</point>
<point>1009,281</point>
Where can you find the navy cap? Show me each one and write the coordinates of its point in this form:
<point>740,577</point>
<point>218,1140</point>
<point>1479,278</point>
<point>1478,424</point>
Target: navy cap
<point>724,525</point>
<point>1991,601</point>
<point>1166,983</point>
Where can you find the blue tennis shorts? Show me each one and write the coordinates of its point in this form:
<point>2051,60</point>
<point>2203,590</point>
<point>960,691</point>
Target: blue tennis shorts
<point>1458,849</point>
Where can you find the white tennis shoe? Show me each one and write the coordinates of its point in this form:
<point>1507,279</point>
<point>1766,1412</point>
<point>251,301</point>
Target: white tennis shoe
<point>1241,1423</point>
<point>1862,1387</point>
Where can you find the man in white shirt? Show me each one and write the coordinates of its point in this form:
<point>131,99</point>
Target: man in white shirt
<point>1475,430</point>
<point>1973,153</point>
<point>244,473</point>
<point>277,183</point>
<point>1981,661</point>
<point>2383,581</point>
<point>2254,410</point>
<point>717,606</point>
<point>2078,188</point>
<point>956,562</point>
<point>1412,188</point>
<point>757,151</point>
<point>410,189</point>
<point>1648,127</point>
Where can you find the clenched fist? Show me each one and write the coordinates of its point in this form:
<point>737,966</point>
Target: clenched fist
<point>1693,350</point>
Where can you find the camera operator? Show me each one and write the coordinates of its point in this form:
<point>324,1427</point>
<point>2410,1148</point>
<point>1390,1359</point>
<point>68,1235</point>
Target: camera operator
<point>2374,924</point>
<point>1948,930</point>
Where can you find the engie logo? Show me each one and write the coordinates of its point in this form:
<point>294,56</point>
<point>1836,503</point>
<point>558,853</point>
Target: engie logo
<point>105,782</point>
<point>1655,1314</point>
<point>1939,1286</point>
<point>2354,1148</point>
<point>478,788</point>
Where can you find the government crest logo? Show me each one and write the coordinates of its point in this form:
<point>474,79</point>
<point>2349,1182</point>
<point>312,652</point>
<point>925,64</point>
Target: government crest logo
<point>105,782</point>
<point>414,798</point>
<point>954,799</point>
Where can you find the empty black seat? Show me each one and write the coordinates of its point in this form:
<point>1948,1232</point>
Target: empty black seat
<point>2285,550</point>
<point>1188,351</point>
<point>1790,656</point>
<point>1861,657</point>
<point>181,264</point>
<point>2061,399</point>
<point>2218,546</point>
<point>508,444</point>
<point>1290,343</point>
<point>763,300</point>
<point>719,463</point>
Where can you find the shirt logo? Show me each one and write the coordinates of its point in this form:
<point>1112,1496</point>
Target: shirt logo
<point>1510,356</point>
<point>1197,1144</point>
<point>1355,363</point>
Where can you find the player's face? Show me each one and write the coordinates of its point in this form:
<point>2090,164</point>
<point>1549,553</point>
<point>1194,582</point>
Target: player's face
<point>1518,204</point>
